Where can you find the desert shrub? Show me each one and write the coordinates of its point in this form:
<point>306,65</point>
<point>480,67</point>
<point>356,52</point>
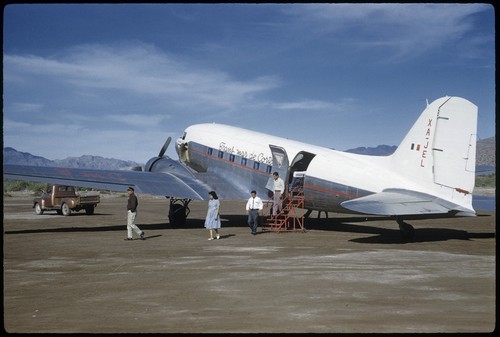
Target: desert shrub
<point>488,180</point>
<point>20,185</point>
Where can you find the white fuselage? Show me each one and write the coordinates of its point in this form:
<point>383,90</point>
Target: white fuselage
<point>431,172</point>
<point>331,176</point>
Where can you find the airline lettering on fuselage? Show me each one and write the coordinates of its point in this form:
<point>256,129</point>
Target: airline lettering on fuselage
<point>426,145</point>
<point>261,157</point>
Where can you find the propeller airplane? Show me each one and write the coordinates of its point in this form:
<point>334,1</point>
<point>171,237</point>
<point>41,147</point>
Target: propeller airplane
<point>431,174</point>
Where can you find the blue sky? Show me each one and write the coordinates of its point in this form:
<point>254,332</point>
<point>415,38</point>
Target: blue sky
<point>117,80</point>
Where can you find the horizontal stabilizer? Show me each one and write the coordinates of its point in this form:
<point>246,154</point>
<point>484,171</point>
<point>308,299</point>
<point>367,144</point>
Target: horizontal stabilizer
<point>396,202</point>
<point>164,184</point>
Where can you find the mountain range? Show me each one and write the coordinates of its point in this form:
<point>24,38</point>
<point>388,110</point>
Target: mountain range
<point>14,157</point>
<point>485,158</point>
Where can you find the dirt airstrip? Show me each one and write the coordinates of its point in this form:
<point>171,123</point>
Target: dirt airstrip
<point>344,274</point>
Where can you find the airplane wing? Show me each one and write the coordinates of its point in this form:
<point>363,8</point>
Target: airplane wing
<point>165,184</point>
<point>398,202</point>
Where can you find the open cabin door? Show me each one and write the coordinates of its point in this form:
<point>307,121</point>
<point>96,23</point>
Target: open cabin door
<point>280,165</point>
<point>286,171</point>
<point>297,171</point>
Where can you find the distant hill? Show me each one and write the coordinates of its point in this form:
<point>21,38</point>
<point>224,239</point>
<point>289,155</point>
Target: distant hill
<point>14,157</point>
<point>485,154</point>
<point>381,150</point>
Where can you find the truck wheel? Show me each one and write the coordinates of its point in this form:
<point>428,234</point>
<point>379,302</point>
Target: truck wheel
<point>89,210</point>
<point>65,209</point>
<point>38,209</point>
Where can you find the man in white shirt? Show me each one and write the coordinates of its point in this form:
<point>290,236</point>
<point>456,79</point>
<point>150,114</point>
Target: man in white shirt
<point>279,188</point>
<point>253,207</point>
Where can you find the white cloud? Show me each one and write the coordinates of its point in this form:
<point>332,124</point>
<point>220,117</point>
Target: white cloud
<point>19,107</point>
<point>137,120</point>
<point>128,97</point>
<point>303,105</point>
<point>61,140</point>
<point>407,30</point>
<point>15,126</point>
<point>342,106</point>
<point>138,70</point>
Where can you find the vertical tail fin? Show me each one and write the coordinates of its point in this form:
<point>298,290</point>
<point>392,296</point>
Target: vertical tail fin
<point>440,148</point>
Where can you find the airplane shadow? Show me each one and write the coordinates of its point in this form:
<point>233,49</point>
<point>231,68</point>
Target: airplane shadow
<point>390,236</point>
<point>344,224</point>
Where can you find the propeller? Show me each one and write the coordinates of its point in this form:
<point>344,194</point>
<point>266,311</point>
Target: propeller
<point>165,146</point>
<point>149,165</point>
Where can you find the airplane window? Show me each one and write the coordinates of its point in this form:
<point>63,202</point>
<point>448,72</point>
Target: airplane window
<point>269,169</point>
<point>221,154</point>
<point>256,165</point>
<point>209,151</point>
<point>231,157</point>
<point>244,161</point>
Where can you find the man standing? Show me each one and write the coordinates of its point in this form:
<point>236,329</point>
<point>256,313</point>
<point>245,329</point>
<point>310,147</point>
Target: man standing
<point>253,207</point>
<point>279,188</point>
<point>131,214</point>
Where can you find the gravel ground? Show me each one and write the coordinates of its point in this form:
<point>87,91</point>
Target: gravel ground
<point>344,274</point>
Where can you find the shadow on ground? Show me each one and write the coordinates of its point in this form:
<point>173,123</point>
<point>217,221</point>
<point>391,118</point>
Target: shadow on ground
<point>344,224</point>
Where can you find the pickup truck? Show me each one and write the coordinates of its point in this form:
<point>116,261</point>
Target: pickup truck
<point>64,200</point>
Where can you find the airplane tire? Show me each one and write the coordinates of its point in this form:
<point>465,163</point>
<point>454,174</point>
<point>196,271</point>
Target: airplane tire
<point>406,230</point>
<point>38,209</point>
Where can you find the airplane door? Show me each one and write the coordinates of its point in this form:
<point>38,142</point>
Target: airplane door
<point>280,165</point>
<point>297,171</point>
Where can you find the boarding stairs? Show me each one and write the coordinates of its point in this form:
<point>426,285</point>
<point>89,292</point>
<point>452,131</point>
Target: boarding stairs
<point>291,216</point>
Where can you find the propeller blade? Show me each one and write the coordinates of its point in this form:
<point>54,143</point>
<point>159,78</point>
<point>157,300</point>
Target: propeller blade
<point>165,146</point>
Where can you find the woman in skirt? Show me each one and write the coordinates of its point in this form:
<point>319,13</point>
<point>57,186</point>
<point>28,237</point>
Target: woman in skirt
<point>212,222</point>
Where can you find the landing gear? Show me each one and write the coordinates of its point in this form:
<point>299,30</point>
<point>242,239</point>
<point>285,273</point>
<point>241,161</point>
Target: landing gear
<point>307,213</point>
<point>407,231</point>
<point>178,211</point>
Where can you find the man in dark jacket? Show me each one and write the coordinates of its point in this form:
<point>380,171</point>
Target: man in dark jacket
<point>131,214</point>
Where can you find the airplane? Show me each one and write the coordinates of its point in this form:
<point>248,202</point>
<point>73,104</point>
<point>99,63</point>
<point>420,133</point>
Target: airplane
<point>431,173</point>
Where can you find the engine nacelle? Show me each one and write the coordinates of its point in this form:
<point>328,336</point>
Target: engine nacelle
<point>168,165</point>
